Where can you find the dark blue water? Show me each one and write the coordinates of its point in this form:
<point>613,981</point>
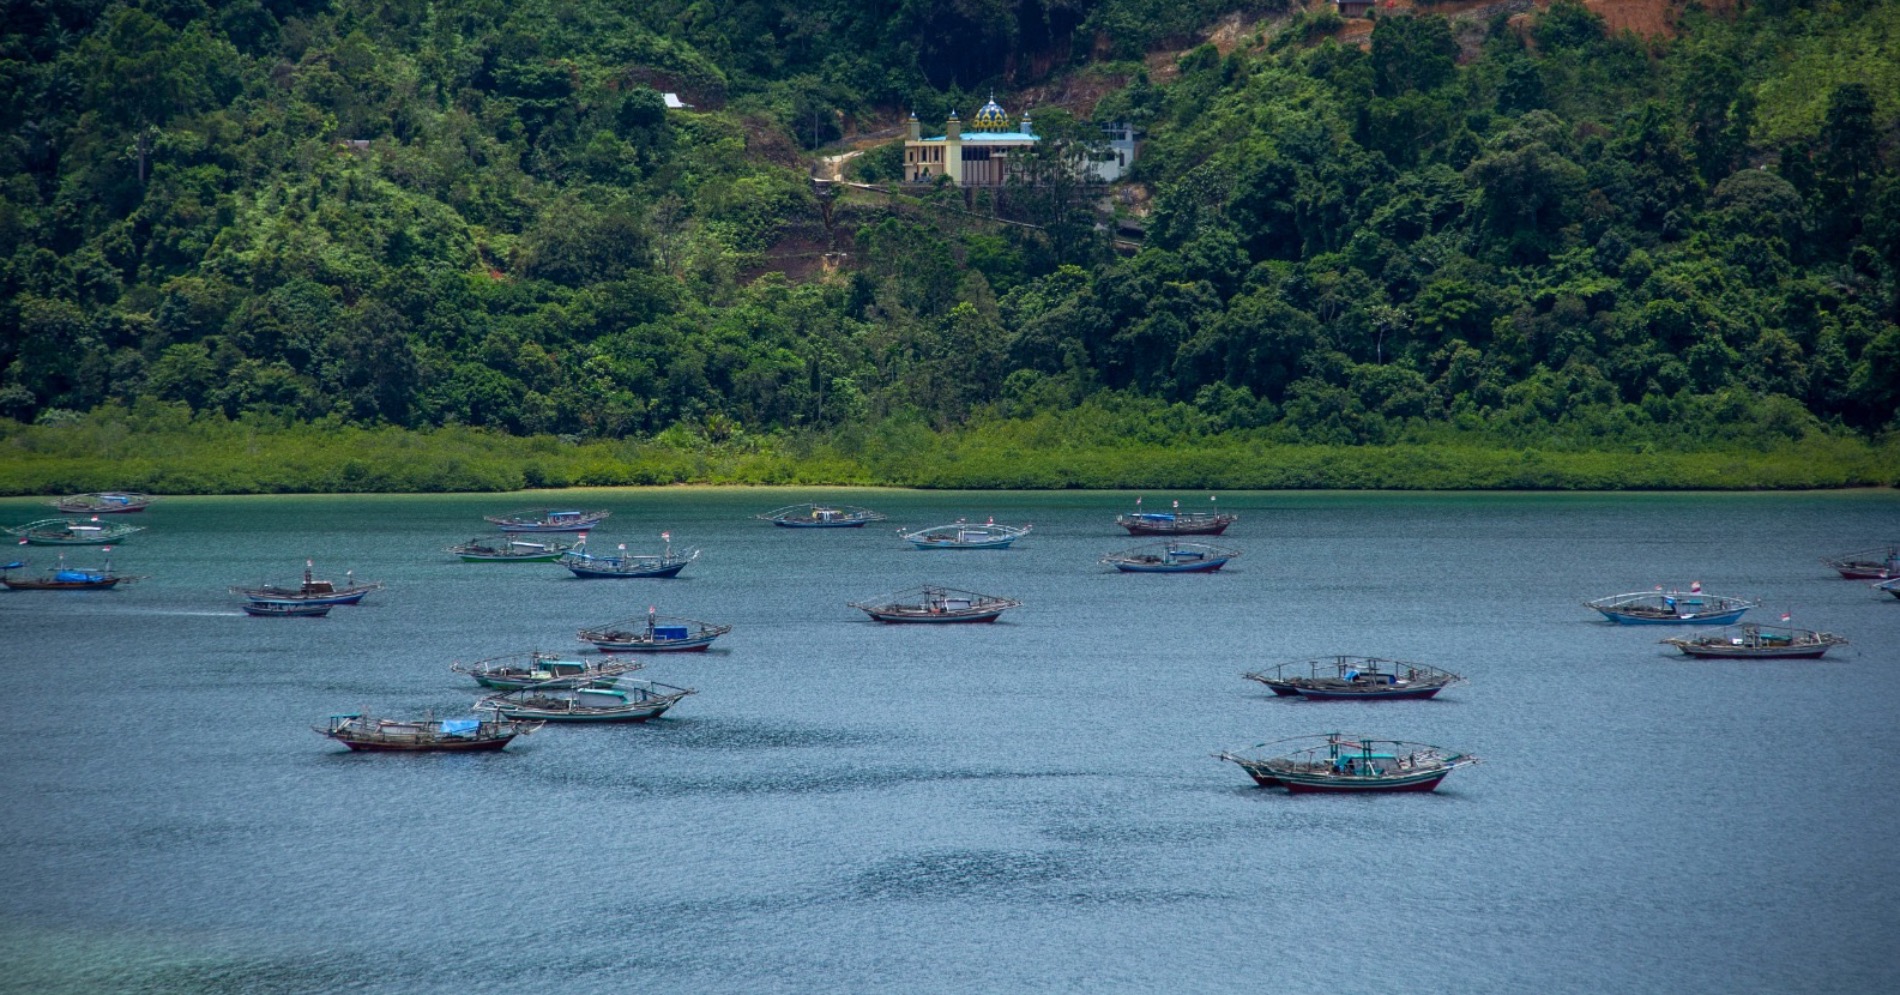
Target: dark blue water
<point>1029,806</point>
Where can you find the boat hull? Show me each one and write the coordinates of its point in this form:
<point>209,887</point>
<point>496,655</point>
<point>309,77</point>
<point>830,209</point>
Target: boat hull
<point>274,609</point>
<point>1705,618</point>
<point>984,544</point>
<point>1202,567</point>
<point>437,746</point>
<point>1301,785</point>
<point>1376,694</point>
<point>942,618</point>
<point>68,585</point>
<point>638,646</point>
<point>641,714</point>
<point>589,573</point>
<point>523,528</point>
<point>1865,573</point>
<point>1744,653</point>
<point>1134,529</point>
<point>346,598</point>
<point>820,525</point>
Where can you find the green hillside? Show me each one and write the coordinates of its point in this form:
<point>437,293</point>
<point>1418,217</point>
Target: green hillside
<point>472,232</point>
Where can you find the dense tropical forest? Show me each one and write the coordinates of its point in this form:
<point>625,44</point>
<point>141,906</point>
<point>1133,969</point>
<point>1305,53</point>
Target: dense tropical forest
<point>400,244</point>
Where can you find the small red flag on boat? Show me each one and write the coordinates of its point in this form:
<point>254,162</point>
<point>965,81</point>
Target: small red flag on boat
<point>105,549</point>
<point>623,547</point>
<point>23,540</point>
<point>1695,588</point>
<point>1785,616</point>
<point>95,518</point>
<point>1177,504</point>
<point>668,536</point>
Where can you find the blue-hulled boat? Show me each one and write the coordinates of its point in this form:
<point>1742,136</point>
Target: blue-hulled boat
<point>1346,764</point>
<point>1171,557</point>
<point>624,565</point>
<point>1358,678</point>
<point>623,701</point>
<point>962,535</point>
<point>820,516</point>
<point>547,520</point>
<point>655,633</point>
<point>311,591</point>
<point>284,609</point>
<point>1659,607</point>
<point>548,671</point>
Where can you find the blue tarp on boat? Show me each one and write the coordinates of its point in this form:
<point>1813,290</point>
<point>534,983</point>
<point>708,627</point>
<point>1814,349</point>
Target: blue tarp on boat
<point>73,576</point>
<point>460,727</point>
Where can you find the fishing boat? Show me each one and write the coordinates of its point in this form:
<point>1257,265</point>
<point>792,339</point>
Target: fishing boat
<point>1757,642</point>
<point>61,577</point>
<point>103,503</point>
<point>547,520</point>
<point>285,609</point>
<point>1175,522</point>
<point>624,701</point>
<point>372,735</point>
<point>1659,607</point>
<point>1361,678</point>
<point>509,550</point>
<point>67,532</point>
<point>1879,563</point>
<point>931,603</point>
<point>1171,557</point>
<point>551,671</point>
<point>312,591</point>
<point>1341,763</point>
<point>963,535</point>
<point>624,565</point>
<point>654,634</point>
<point>820,516</point>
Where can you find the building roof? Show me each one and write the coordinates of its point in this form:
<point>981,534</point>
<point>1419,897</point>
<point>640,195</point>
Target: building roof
<point>989,137</point>
<point>990,117</point>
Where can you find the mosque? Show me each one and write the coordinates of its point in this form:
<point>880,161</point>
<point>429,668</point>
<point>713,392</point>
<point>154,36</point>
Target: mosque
<point>981,158</point>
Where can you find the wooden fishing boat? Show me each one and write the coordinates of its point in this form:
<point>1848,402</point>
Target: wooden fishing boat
<point>285,609</point>
<point>1171,557</point>
<point>933,604</point>
<point>624,701</point>
<point>61,577</point>
<point>547,520</point>
<point>551,671</point>
<point>1360,678</point>
<point>103,503</point>
<point>654,634</point>
<point>1879,563</point>
<point>503,549</point>
<point>373,735</point>
<point>1757,642</point>
<point>624,565</point>
<point>1659,607</point>
<point>820,516</point>
<point>312,591</point>
<point>962,535</point>
<point>1341,763</point>
<point>1175,522</point>
<point>67,532</point>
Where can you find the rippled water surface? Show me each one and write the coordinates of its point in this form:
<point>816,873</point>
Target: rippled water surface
<point>1028,806</point>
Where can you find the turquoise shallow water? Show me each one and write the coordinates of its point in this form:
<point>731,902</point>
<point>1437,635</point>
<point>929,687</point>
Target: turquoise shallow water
<point>1028,806</point>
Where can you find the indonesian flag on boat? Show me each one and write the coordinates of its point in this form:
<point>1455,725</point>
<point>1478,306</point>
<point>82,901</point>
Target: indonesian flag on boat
<point>1785,616</point>
<point>1695,588</point>
<point>623,547</point>
<point>668,536</point>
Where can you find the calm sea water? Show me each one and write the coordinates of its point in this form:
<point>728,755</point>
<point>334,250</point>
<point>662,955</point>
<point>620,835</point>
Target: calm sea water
<point>1029,806</point>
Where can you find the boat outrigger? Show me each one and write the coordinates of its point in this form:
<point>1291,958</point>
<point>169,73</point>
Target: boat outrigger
<point>103,503</point>
<point>312,591</point>
<point>547,520</point>
<point>67,532</point>
<point>61,577</point>
<point>931,603</point>
<point>1342,763</point>
<point>1757,642</point>
<point>622,701</point>
<point>963,535</point>
<point>1173,556</point>
<point>373,735</point>
<point>654,633</point>
<point>550,671</point>
<point>509,550</point>
<point>624,565</point>
<point>1891,587</point>
<point>1176,522</point>
<point>1659,607</point>
<point>1361,678</point>
<point>820,516</point>
<point>1879,563</point>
